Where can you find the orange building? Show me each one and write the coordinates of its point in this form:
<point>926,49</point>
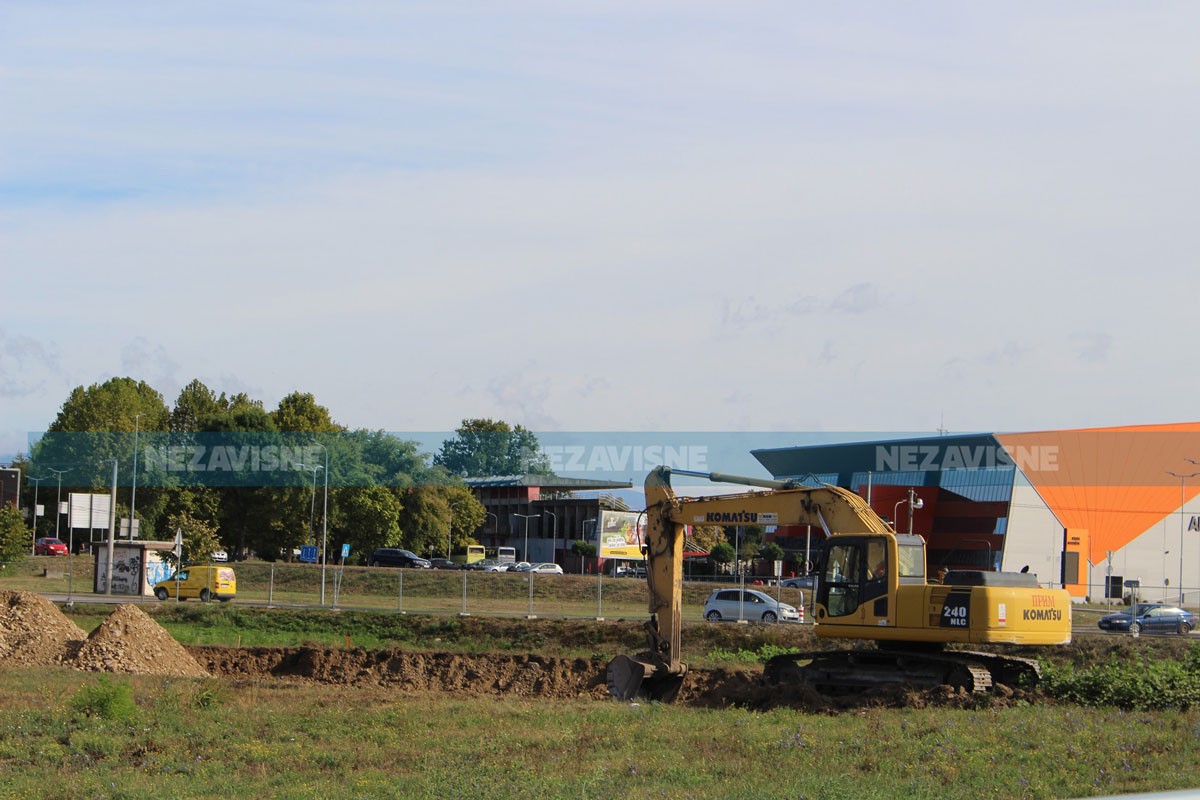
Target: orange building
<point>1087,509</point>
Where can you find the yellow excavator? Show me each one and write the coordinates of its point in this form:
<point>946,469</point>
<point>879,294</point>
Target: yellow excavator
<point>871,585</point>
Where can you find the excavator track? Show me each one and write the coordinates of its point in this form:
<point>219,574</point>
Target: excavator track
<point>844,671</point>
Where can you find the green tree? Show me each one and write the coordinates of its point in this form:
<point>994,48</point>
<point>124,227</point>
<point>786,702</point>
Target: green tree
<point>722,553</point>
<point>486,447</point>
<point>199,539</point>
<point>299,411</point>
<point>15,538</point>
<point>369,517</point>
<point>771,552</point>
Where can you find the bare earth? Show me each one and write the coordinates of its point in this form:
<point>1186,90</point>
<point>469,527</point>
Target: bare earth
<point>33,632</point>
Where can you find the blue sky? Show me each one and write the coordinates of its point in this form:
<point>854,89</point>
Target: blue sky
<point>606,216</point>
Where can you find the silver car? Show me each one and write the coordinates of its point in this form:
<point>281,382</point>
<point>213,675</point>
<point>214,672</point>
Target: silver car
<point>750,604</point>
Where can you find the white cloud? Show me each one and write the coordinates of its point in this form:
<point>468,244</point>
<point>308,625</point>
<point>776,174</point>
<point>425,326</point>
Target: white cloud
<point>594,216</point>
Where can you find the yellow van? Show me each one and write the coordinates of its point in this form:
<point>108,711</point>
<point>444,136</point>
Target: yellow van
<point>205,581</point>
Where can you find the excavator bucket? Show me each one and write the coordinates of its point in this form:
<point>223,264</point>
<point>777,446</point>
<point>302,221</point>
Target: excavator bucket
<point>629,678</point>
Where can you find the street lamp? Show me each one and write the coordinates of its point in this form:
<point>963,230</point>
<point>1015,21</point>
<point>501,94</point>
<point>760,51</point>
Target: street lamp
<point>496,532</point>
<point>324,518</point>
<point>133,494</point>
<point>554,540</point>
<point>312,506</point>
<point>1182,503</point>
<point>913,502</point>
<point>71,538</point>
<point>33,514</point>
<point>594,521</point>
<point>526,517</point>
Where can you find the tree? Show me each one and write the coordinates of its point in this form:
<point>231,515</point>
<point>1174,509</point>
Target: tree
<point>706,537</point>
<point>722,553</point>
<point>15,539</point>
<point>369,517</point>
<point>199,539</point>
<point>299,412</point>
<point>484,447</point>
<point>771,552</point>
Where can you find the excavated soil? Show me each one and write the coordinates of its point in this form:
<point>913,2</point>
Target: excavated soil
<point>532,676</point>
<point>34,632</point>
<point>129,641</point>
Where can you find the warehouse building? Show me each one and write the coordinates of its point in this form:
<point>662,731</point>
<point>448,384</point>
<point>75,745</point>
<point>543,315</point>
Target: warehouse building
<point>1098,511</point>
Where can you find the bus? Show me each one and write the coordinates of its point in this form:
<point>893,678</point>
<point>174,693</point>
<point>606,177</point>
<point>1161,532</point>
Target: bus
<point>475,552</point>
<point>506,554</point>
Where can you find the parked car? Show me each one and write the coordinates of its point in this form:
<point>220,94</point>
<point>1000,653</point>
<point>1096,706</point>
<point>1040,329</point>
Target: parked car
<point>802,582</point>
<point>630,571</point>
<point>394,557</point>
<point>49,546</point>
<point>753,605</point>
<point>203,581</point>
<point>545,568</point>
<point>1150,618</point>
<point>444,563</point>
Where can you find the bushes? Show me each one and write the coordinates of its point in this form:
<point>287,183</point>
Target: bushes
<point>105,699</point>
<point>1140,684</point>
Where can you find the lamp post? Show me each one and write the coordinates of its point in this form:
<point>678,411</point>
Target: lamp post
<point>324,519</point>
<point>913,502</point>
<point>1182,503</point>
<point>133,493</point>
<point>594,521</point>
<point>496,532</point>
<point>526,517</point>
<point>554,539</point>
<point>71,542</point>
<point>312,506</point>
<point>450,530</point>
<point>33,514</point>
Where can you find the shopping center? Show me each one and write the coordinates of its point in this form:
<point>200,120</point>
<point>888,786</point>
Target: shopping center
<point>1092,510</point>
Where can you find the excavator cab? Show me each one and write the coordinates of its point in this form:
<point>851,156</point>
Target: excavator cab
<point>860,574</point>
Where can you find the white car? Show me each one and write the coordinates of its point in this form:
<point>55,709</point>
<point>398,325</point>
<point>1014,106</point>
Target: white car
<point>545,568</point>
<point>220,555</point>
<point>751,604</point>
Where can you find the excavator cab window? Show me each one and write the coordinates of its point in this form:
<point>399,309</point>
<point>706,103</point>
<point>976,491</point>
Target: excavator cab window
<point>855,571</point>
<point>840,587</point>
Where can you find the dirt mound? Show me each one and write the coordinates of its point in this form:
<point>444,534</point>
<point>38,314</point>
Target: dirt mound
<point>34,632</point>
<point>129,641</point>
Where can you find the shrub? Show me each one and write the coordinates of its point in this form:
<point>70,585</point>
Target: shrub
<point>1138,685</point>
<point>105,699</point>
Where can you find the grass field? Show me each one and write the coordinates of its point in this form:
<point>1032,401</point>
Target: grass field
<point>70,735</point>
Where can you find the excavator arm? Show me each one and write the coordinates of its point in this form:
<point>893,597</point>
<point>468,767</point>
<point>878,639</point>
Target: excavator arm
<point>658,673</point>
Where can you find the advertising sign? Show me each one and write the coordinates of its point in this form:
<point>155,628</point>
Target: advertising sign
<point>620,534</point>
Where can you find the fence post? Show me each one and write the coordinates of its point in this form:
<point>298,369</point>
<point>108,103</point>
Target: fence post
<point>400,598</point>
<point>271,588</point>
<point>464,613</point>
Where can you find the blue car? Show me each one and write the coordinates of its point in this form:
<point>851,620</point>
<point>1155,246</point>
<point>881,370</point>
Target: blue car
<point>1150,618</point>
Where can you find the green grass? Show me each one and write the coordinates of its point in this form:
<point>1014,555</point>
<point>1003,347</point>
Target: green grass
<point>410,591</point>
<point>205,738</point>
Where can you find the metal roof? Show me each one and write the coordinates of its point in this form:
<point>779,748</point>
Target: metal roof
<point>544,482</point>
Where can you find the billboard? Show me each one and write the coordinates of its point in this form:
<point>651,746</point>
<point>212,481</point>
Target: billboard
<point>621,534</point>
<point>10,486</point>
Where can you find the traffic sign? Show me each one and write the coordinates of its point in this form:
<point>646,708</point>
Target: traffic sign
<point>308,553</point>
